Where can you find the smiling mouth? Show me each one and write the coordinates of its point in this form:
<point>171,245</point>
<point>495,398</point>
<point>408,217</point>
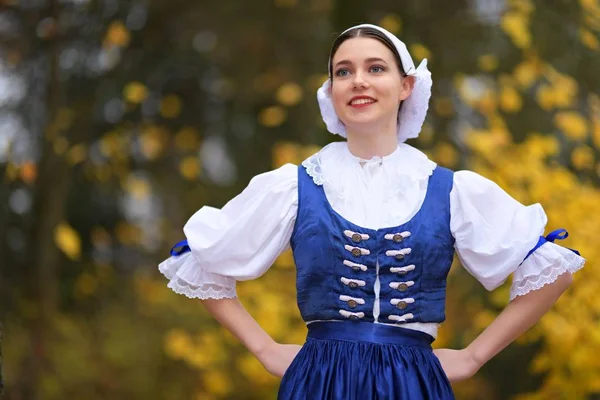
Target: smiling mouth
<point>361,102</point>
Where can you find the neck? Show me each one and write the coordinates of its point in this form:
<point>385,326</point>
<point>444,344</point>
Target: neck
<point>367,145</point>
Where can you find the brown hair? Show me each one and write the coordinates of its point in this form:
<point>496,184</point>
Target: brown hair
<point>369,33</point>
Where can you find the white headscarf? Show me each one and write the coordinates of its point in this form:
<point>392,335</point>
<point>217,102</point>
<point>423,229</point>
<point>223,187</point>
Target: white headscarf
<point>414,108</point>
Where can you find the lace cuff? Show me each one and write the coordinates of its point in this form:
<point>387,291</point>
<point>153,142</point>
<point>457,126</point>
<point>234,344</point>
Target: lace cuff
<point>188,278</point>
<point>543,267</point>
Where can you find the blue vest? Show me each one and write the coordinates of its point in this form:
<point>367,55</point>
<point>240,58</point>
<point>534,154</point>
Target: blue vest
<point>336,260</point>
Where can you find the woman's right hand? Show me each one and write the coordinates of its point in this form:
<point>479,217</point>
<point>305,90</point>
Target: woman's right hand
<point>276,357</point>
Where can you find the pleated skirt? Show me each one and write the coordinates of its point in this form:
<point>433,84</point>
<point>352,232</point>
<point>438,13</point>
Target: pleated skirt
<point>361,361</point>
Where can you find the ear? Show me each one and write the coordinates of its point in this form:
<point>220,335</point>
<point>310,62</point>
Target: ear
<point>408,84</point>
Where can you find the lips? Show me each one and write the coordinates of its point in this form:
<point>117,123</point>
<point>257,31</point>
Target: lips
<point>361,101</point>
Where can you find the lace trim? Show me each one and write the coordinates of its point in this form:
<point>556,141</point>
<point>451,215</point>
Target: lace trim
<point>208,291</point>
<point>201,292</point>
<point>313,169</point>
<point>546,277</point>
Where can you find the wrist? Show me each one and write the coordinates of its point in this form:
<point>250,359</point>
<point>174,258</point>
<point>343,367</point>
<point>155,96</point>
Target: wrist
<point>475,357</point>
<point>260,349</point>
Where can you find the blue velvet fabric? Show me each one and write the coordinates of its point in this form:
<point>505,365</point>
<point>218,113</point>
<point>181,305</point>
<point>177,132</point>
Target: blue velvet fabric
<point>358,361</point>
<point>319,246</point>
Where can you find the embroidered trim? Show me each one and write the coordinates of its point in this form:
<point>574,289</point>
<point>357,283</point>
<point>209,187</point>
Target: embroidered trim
<point>393,253</point>
<point>356,299</point>
<point>349,314</point>
<point>401,318</point>
<point>394,285</point>
<point>364,252</point>
<point>354,265</point>
<point>347,281</point>
<point>546,277</point>
<point>349,234</point>
<point>390,236</point>
<point>400,270</point>
<point>408,300</point>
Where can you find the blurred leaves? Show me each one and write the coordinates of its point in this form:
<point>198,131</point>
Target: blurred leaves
<point>155,109</point>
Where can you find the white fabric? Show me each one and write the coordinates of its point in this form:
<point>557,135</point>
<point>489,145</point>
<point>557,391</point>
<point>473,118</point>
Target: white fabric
<point>414,108</point>
<point>493,231</point>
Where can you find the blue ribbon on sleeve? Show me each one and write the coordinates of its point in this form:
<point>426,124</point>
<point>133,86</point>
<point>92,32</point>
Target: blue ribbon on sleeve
<point>180,248</point>
<point>558,234</point>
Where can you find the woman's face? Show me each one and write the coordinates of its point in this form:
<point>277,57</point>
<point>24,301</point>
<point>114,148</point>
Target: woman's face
<point>367,86</point>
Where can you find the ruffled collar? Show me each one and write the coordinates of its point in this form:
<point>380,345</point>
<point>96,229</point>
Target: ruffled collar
<point>336,167</point>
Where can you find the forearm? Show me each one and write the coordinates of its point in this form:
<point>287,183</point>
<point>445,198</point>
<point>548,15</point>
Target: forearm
<point>234,317</point>
<point>520,315</point>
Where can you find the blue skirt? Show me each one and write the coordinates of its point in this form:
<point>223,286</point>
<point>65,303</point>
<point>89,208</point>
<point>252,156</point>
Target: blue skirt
<point>362,361</point>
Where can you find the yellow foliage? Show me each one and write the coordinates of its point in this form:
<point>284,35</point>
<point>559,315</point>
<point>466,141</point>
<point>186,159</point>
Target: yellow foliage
<point>170,106</point>
<point>272,116</point>
<point>446,155</point>
<point>67,240</point>
<point>583,157</point>
<point>391,22</point>
<point>117,35</point>
<point>510,100</point>
<point>420,52</point>
<point>217,382</point>
<point>487,62</point>
<point>137,187</point>
<point>187,139</point>
<point>589,39</point>
<point>289,94</point>
<point>189,168</point>
<point>135,92</point>
<point>86,284</point>
<point>516,25</point>
<point>443,106</point>
<point>315,81</point>
<point>153,140</point>
<point>526,73</point>
<point>572,124</point>
<point>76,154</point>
<point>178,343</point>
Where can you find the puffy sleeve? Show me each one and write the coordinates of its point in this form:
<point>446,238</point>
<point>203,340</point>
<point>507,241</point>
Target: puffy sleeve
<point>494,235</point>
<point>238,242</point>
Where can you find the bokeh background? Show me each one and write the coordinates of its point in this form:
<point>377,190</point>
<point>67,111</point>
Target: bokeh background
<point>119,119</point>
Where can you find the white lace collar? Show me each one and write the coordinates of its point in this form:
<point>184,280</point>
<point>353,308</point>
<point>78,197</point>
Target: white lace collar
<point>336,167</point>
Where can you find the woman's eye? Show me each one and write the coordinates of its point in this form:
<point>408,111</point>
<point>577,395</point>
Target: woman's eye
<point>342,72</point>
<point>377,68</point>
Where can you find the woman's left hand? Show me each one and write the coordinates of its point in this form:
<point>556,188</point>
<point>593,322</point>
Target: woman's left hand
<point>457,364</point>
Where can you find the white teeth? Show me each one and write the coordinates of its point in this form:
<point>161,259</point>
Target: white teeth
<point>362,101</point>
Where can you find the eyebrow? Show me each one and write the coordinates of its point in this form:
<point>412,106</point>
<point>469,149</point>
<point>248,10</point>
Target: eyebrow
<point>368,60</point>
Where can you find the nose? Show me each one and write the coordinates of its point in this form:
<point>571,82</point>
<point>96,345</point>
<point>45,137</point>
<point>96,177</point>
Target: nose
<point>359,80</point>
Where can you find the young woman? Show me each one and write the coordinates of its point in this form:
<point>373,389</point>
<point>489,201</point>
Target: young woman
<point>373,225</point>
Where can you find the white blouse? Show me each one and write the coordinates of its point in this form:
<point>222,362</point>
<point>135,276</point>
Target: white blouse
<point>493,232</point>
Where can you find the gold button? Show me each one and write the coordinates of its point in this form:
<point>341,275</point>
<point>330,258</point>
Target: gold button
<point>354,317</point>
<point>401,305</point>
<point>402,287</point>
<point>352,303</point>
<point>356,252</point>
<point>356,238</point>
<point>398,238</point>
<point>353,284</point>
<point>399,256</point>
<point>402,272</point>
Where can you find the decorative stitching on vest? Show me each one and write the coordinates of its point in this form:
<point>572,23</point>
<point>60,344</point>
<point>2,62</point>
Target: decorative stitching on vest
<point>402,270</point>
<point>401,318</point>
<point>352,282</point>
<point>355,266</point>
<point>352,315</point>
